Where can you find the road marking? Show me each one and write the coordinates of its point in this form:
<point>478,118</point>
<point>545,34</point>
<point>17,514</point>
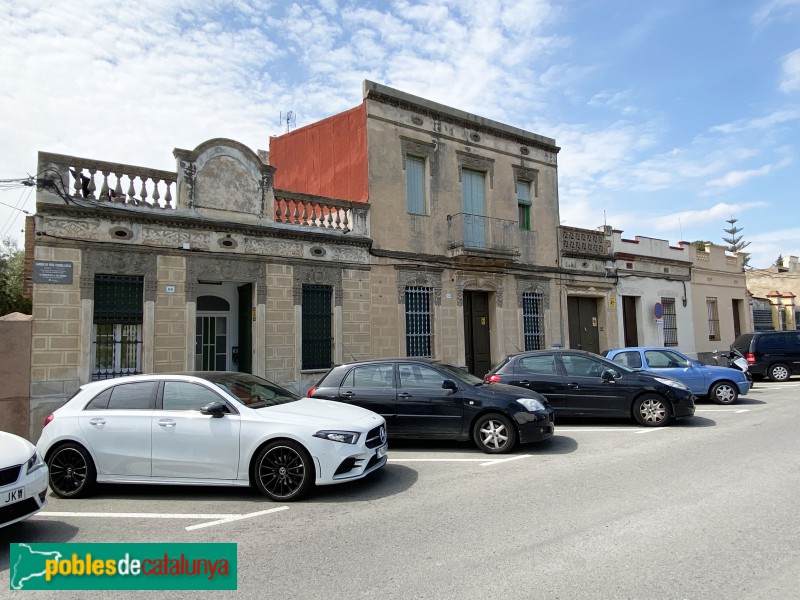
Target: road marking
<point>437,459</point>
<point>733,410</point>
<point>504,460</point>
<point>237,518</point>
<point>619,429</point>
<point>134,515</point>
<point>218,518</point>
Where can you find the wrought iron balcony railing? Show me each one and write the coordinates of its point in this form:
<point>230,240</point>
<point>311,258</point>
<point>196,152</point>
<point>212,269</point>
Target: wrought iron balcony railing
<point>476,232</point>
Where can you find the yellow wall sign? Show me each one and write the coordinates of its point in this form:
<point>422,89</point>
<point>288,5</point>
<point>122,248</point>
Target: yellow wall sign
<point>612,302</point>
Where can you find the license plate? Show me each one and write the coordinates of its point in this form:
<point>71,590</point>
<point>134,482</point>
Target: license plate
<point>382,451</point>
<point>12,496</point>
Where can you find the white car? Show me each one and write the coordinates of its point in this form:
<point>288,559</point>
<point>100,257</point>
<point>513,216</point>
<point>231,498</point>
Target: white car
<point>23,479</point>
<point>207,428</point>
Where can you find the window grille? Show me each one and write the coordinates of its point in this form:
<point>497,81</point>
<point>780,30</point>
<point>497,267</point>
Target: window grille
<point>533,320</point>
<point>317,315</point>
<point>117,331</point>
<point>670,322</point>
<point>419,334</point>
<point>762,319</point>
<point>713,319</point>
<point>415,180</point>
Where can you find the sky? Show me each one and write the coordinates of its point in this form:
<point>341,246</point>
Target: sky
<point>672,118</point>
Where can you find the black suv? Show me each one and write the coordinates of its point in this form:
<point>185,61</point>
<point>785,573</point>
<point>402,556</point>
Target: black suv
<point>426,399</point>
<point>775,354</point>
<point>582,384</point>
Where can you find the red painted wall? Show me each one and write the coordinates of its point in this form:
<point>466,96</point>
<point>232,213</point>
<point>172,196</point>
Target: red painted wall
<point>327,158</point>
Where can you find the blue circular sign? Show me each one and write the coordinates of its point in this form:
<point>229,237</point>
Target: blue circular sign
<point>658,310</point>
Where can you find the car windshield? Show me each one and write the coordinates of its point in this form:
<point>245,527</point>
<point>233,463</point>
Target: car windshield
<point>460,373</point>
<point>250,390</point>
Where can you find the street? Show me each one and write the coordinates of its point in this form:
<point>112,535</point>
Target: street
<point>704,508</point>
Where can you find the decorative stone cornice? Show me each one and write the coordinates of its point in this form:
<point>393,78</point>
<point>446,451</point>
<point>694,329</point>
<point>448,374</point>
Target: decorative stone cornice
<point>307,275</point>
<point>467,160</point>
<point>407,277</point>
<point>483,284</point>
<point>225,269</point>
<point>535,286</point>
<point>118,263</point>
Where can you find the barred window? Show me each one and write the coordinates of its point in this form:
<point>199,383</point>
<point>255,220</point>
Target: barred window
<point>533,320</point>
<point>713,319</point>
<point>317,315</point>
<point>670,322</point>
<point>419,333</point>
<point>117,326</point>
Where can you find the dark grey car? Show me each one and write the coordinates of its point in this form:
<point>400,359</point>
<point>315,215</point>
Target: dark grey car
<point>426,399</point>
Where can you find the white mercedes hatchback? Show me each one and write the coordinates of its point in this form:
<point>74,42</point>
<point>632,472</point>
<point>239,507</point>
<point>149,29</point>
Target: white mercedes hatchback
<point>207,428</point>
<point>23,479</point>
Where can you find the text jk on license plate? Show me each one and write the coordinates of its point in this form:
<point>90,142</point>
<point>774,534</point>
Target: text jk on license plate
<point>13,495</point>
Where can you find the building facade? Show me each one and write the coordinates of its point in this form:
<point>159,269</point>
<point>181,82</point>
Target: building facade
<point>720,298</point>
<point>774,293</point>
<point>400,227</point>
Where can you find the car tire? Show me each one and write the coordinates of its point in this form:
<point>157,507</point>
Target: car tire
<point>779,372</point>
<point>283,471</point>
<point>494,433</point>
<point>71,471</point>
<point>651,410</point>
<point>724,392</point>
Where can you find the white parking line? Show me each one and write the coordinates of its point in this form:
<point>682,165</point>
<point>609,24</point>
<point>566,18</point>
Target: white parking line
<point>504,460</point>
<point>614,429</point>
<point>133,515</point>
<point>733,410</point>
<point>237,518</point>
<point>218,518</point>
<point>404,460</point>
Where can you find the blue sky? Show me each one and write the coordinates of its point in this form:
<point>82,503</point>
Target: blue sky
<point>671,119</point>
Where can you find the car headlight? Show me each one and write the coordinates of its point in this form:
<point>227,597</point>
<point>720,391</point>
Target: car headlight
<point>531,404</point>
<point>345,437</point>
<point>34,462</point>
<point>671,383</point>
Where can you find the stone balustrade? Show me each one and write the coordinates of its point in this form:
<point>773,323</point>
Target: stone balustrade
<point>317,211</point>
<point>101,181</point>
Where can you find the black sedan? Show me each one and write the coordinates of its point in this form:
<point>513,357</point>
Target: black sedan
<point>578,383</point>
<point>427,399</point>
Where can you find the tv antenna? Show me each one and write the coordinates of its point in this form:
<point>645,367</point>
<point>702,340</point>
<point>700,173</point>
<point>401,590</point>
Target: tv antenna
<point>289,119</point>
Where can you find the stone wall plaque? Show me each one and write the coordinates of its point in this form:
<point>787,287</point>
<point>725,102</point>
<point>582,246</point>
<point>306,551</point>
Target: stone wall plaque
<point>52,271</point>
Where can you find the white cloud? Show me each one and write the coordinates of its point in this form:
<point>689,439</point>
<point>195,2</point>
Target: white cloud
<point>790,71</point>
<point>774,119</point>
<point>774,10</point>
<point>737,178</point>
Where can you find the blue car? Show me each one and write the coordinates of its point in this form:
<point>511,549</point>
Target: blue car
<point>723,385</point>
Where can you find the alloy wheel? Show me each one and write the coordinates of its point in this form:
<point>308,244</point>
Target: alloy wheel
<point>68,471</point>
<point>653,411</point>
<point>282,472</point>
<point>494,434</point>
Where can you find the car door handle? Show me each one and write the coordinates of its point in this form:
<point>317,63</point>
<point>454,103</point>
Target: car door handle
<point>97,421</point>
<point>404,395</point>
<point>348,394</point>
<point>524,382</point>
<point>167,423</point>
<point>573,386</point>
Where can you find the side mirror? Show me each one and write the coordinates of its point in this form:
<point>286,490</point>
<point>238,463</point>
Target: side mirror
<point>214,409</point>
<point>608,376</point>
<point>449,384</point>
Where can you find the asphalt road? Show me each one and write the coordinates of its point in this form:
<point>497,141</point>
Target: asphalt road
<point>705,508</point>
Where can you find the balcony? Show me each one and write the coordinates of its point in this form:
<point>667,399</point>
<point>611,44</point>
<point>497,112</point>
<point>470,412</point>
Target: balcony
<point>479,240</point>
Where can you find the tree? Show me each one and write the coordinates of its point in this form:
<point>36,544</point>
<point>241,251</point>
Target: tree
<point>735,243</point>
<point>12,261</point>
<point>779,260</point>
